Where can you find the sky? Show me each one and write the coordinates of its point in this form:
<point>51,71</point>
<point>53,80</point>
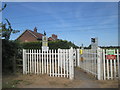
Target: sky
<point>77,22</point>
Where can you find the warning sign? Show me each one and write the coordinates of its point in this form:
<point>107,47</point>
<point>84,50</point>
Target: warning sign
<point>111,57</point>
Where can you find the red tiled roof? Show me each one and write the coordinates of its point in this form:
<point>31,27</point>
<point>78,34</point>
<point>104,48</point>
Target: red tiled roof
<point>38,35</point>
<point>50,39</point>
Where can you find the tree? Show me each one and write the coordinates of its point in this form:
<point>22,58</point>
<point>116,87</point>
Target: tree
<point>4,31</point>
<point>3,8</point>
<point>9,48</point>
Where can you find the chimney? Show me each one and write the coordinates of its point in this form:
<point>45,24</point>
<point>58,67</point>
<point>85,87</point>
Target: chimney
<point>35,29</point>
<point>54,36</point>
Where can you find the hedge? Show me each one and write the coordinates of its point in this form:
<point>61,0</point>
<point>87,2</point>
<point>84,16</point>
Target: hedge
<point>63,44</point>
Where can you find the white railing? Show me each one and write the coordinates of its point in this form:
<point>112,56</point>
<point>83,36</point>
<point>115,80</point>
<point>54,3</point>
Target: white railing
<point>57,63</point>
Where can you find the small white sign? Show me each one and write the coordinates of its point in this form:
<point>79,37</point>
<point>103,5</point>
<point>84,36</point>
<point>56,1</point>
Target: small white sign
<point>45,43</point>
<point>44,48</point>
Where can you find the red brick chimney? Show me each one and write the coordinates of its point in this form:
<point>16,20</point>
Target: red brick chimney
<point>54,36</point>
<point>35,29</point>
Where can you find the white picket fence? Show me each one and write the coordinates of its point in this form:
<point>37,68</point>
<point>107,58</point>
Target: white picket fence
<point>58,63</point>
<point>61,62</point>
<point>110,67</point>
<point>95,62</point>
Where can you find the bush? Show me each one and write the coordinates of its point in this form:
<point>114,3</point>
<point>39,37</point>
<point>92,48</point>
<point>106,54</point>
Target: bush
<point>63,44</point>
<point>9,50</point>
<point>31,45</point>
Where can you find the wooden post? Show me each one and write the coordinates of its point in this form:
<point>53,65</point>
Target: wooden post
<point>24,61</point>
<point>104,65</point>
<point>118,64</point>
<point>71,64</point>
<point>58,62</point>
<point>99,63</point>
<point>78,57</point>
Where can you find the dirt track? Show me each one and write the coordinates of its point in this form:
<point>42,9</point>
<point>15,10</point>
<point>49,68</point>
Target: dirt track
<point>82,80</point>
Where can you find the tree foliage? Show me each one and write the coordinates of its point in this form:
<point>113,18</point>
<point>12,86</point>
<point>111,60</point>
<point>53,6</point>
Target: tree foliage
<point>4,31</point>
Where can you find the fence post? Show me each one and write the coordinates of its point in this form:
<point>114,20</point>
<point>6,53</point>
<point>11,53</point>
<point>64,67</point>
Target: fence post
<point>71,64</point>
<point>24,62</point>
<point>78,57</point>
<point>99,71</point>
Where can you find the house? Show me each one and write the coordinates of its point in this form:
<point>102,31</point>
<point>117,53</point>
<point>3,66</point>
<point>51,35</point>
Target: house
<point>53,38</point>
<point>33,36</point>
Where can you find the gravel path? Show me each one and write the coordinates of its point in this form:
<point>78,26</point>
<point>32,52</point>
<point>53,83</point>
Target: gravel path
<point>87,80</point>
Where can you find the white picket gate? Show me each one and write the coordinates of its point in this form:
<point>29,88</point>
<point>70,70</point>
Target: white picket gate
<point>110,67</point>
<point>58,63</point>
<point>95,62</point>
<point>88,61</point>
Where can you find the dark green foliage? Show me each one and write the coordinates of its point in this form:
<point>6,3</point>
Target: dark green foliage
<point>31,45</point>
<point>110,47</point>
<point>9,50</point>
<point>63,44</point>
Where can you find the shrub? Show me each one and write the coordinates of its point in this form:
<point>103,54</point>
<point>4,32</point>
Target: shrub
<point>9,50</point>
<point>63,44</point>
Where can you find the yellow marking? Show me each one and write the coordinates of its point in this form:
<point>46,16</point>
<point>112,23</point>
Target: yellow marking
<point>81,51</point>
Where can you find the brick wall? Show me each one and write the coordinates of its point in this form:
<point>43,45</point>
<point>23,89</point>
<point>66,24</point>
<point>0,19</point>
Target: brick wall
<point>27,37</point>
